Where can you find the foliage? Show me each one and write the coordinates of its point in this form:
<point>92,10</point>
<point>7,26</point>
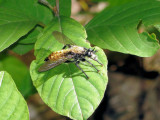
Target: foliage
<point>12,104</point>
<point>23,80</point>
<point>27,24</point>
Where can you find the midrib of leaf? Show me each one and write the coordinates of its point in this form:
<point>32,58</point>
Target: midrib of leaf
<point>75,92</point>
<point>9,36</point>
<point>111,21</point>
<point>131,40</point>
<point>60,26</point>
<point>51,88</point>
<point>10,114</point>
<point>6,100</point>
<point>59,91</point>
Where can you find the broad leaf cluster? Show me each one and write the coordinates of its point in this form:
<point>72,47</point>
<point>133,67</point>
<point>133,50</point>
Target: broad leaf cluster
<point>29,24</point>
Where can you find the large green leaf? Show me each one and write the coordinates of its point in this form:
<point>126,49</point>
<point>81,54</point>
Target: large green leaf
<point>12,104</point>
<point>18,17</point>
<point>19,72</point>
<point>116,29</point>
<point>118,2</point>
<point>65,88</point>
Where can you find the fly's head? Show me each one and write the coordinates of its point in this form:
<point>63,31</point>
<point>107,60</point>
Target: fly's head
<point>91,53</point>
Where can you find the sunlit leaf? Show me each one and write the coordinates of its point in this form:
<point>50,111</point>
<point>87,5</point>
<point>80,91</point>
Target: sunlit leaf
<point>116,29</point>
<point>65,88</point>
<point>18,17</point>
<point>19,72</point>
<point>12,104</point>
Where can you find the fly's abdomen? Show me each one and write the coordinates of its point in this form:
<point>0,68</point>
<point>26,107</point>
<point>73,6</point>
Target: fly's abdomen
<point>63,54</point>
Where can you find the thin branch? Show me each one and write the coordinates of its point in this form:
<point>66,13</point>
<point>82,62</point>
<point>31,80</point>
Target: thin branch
<point>54,9</point>
<point>45,2</point>
<point>57,5</point>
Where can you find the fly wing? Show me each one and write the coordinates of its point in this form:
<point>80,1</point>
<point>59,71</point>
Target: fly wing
<point>62,38</point>
<point>50,64</point>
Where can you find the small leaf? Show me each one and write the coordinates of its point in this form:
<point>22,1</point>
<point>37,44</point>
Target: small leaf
<point>65,88</point>
<point>116,29</point>
<point>20,73</point>
<point>12,104</point>
<point>18,17</point>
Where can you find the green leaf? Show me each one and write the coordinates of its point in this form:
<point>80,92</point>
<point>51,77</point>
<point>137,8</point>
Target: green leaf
<point>65,8</point>
<point>22,49</point>
<point>12,104</point>
<point>113,3</point>
<point>31,37</point>
<point>18,17</point>
<point>98,0</point>
<point>26,43</point>
<point>116,29</point>
<point>19,72</point>
<point>65,88</point>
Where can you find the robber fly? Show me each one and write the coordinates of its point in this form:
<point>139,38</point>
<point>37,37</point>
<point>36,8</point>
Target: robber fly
<point>69,53</point>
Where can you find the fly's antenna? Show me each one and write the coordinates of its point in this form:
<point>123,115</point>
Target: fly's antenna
<point>93,50</point>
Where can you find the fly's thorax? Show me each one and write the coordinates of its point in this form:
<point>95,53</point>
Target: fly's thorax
<point>58,55</point>
<point>94,56</point>
<point>77,49</point>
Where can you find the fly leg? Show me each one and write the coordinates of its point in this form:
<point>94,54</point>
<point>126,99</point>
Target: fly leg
<point>69,61</point>
<point>77,64</point>
<point>92,65</point>
<point>67,45</point>
<point>97,61</point>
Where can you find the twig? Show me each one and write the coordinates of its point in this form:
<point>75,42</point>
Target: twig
<point>45,2</point>
<point>54,9</point>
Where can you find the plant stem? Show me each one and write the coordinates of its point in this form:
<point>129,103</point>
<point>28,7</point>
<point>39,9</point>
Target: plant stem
<point>56,8</point>
<point>45,2</point>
